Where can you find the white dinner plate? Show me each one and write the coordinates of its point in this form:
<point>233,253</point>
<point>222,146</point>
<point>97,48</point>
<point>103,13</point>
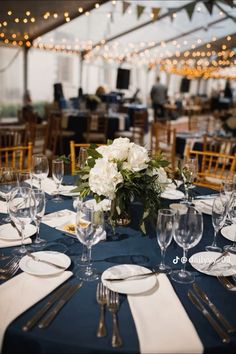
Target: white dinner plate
<point>68,193</point>
<point>172,194</point>
<point>181,208</point>
<point>200,261</point>
<point>10,233</point>
<point>28,265</point>
<point>132,286</point>
<point>229,232</point>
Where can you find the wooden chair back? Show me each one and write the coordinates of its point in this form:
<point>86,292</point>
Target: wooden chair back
<point>214,167</point>
<point>17,157</point>
<point>163,139</point>
<point>13,137</point>
<point>140,121</point>
<point>97,125</point>
<point>219,144</point>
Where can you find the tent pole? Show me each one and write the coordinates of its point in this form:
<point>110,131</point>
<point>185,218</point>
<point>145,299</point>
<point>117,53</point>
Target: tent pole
<point>25,69</point>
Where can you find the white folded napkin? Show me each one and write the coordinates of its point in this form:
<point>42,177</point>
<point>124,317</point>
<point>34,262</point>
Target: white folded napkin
<point>49,186</point>
<point>204,205</point>
<point>31,289</point>
<point>3,207</point>
<point>59,218</point>
<point>11,243</point>
<point>170,193</point>
<point>162,324</point>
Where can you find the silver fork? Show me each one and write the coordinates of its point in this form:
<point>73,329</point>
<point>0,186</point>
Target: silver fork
<point>226,282</point>
<point>11,271</point>
<point>101,296</point>
<point>113,307</point>
<point>8,265</point>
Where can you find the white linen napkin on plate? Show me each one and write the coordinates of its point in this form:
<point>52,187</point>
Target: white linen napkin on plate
<point>11,243</point>
<point>31,289</point>
<point>59,218</point>
<point>204,205</point>
<point>162,324</point>
<point>49,186</point>
<point>3,207</point>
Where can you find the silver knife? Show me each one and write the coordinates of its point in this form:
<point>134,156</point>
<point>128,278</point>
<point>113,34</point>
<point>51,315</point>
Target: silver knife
<point>44,261</point>
<point>206,196</point>
<point>222,334</point>
<point>134,276</point>
<point>45,322</point>
<point>228,326</point>
<point>56,296</point>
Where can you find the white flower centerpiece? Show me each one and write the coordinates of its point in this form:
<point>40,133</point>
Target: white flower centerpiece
<point>123,171</point>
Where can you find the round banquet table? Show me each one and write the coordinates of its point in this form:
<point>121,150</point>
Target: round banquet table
<point>74,328</point>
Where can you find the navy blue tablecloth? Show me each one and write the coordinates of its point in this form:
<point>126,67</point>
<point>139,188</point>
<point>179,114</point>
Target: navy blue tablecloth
<point>74,329</point>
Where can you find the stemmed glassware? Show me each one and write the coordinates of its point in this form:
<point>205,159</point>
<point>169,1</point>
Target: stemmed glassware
<point>82,158</point>
<point>232,218</point>
<point>40,168</point>
<point>8,181</point>
<point>38,213</point>
<point>57,175</point>
<point>22,204</point>
<point>187,234</point>
<point>89,229</point>
<point>24,179</point>
<point>164,230</point>
<point>219,213</point>
<point>189,172</point>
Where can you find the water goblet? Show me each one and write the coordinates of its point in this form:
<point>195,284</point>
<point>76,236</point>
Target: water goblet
<point>164,231</point>
<point>189,172</point>
<point>187,234</point>
<point>8,181</point>
<point>89,230</point>
<point>24,179</point>
<point>57,175</point>
<point>38,213</point>
<point>219,213</point>
<point>22,204</point>
<point>82,158</point>
<point>232,217</point>
<point>40,168</point>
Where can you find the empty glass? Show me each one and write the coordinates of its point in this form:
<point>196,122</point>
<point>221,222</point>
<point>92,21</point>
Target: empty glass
<point>38,213</point>
<point>187,234</point>
<point>22,206</point>
<point>8,181</point>
<point>40,168</point>
<point>57,175</point>
<point>82,158</point>
<point>189,173</point>
<point>164,230</point>
<point>89,229</point>
<point>219,213</point>
<point>232,218</point>
<point>24,179</point>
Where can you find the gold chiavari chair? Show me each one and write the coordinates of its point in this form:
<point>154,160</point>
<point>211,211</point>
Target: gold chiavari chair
<point>17,157</point>
<point>214,167</point>
<point>163,139</point>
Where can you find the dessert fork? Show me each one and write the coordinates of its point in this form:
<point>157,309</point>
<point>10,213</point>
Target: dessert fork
<point>101,296</point>
<point>113,307</point>
<point>10,271</point>
<point>226,283</point>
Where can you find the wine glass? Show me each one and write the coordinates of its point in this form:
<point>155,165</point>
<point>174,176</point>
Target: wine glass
<point>8,181</point>
<point>40,168</point>
<point>219,213</point>
<point>189,172</point>
<point>82,158</point>
<point>24,179</point>
<point>164,231</point>
<point>232,218</point>
<point>22,204</point>
<point>57,175</point>
<point>187,234</point>
<point>89,229</point>
<point>38,213</point>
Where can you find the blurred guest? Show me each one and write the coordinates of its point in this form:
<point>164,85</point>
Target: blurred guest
<point>100,91</point>
<point>228,91</point>
<point>158,97</point>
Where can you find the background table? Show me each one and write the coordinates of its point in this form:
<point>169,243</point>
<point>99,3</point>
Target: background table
<point>74,329</point>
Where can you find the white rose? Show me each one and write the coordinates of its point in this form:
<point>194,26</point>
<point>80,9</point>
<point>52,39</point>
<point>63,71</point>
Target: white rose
<point>118,150</point>
<point>137,158</point>
<point>104,177</point>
